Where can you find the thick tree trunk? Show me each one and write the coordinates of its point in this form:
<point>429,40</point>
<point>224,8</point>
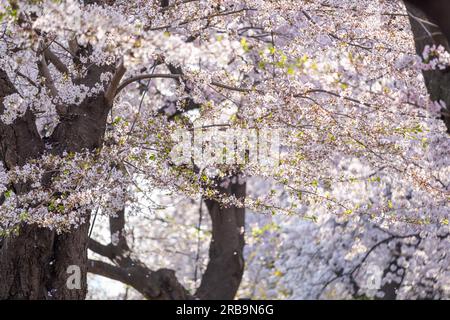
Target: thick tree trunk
<point>25,263</point>
<point>224,272</point>
<point>34,262</point>
<point>436,11</point>
<point>24,258</point>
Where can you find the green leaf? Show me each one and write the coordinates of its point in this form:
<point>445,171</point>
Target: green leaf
<point>8,194</point>
<point>390,205</point>
<point>245,45</point>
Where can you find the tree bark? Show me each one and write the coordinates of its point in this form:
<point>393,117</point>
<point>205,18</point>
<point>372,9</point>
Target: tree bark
<point>34,262</point>
<point>224,272</point>
<point>437,12</point>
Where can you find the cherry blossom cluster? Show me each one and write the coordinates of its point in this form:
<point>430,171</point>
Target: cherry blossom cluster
<point>363,164</point>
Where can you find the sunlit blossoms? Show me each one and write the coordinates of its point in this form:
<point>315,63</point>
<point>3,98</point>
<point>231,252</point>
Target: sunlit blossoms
<point>363,169</point>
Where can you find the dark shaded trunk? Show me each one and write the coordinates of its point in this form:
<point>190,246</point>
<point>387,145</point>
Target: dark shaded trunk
<point>437,12</point>
<point>224,272</point>
<point>226,257</point>
<point>34,262</point>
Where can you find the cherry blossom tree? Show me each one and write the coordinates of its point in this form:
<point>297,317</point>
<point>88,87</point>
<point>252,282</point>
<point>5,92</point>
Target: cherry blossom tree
<point>336,257</point>
<point>94,94</point>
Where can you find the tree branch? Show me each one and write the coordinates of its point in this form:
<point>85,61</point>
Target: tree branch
<point>103,250</point>
<point>176,77</point>
<point>113,86</point>
<point>53,58</point>
<point>45,73</point>
<point>156,285</point>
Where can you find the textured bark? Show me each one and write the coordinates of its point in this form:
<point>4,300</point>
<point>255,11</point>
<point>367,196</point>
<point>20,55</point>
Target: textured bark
<point>83,126</point>
<point>19,141</point>
<point>33,264</point>
<point>224,272</point>
<point>24,264</point>
<point>437,12</point>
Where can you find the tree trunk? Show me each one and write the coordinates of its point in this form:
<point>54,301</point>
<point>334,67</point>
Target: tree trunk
<point>224,272</point>
<point>436,81</point>
<point>34,262</point>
